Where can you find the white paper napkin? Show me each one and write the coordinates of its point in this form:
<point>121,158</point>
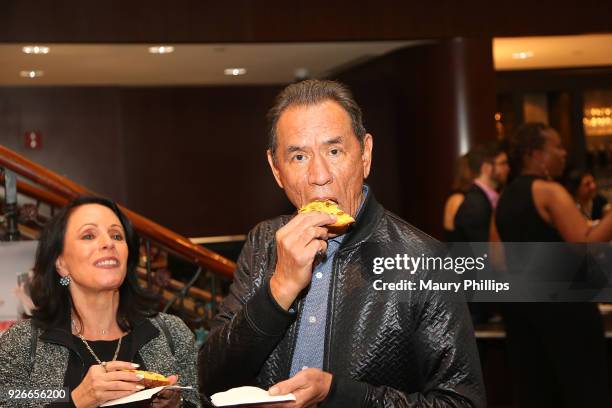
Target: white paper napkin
<point>247,395</point>
<point>142,395</point>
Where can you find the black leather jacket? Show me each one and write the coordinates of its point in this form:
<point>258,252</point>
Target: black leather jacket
<point>382,352</point>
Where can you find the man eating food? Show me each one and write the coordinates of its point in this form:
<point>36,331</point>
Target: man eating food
<point>301,316</point>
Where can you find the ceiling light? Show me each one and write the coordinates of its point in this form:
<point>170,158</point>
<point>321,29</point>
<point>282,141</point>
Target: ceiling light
<point>522,55</point>
<point>301,73</point>
<point>31,74</point>
<point>234,71</point>
<point>161,49</point>
<point>35,49</point>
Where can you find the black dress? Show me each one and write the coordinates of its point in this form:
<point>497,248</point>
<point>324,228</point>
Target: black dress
<point>599,203</point>
<point>453,235</point>
<point>473,217</point>
<point>558,350</point>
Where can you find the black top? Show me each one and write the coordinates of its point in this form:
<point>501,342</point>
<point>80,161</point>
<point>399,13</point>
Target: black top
<point>105,351</point>
<point>599,202</point>
<point>473,217</point>
<point>517,218</point>
<point>558,349</point>
<point>453,235</point>
<point>80,359</point>
<point>79,362</point>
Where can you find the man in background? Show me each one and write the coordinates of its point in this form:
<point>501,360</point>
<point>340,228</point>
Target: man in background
<point>473,217</point>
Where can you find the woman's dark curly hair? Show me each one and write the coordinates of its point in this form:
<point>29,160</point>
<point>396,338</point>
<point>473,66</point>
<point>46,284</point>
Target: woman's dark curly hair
<point>528,137</point>
<point>573,179</point>
<point>53,302</point>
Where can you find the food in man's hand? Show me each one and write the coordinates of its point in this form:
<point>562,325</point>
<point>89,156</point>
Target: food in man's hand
<point>151,379</point>
<point>343,220</point>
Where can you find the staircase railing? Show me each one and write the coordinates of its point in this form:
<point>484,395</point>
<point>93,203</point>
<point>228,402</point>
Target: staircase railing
<point>46,186</point>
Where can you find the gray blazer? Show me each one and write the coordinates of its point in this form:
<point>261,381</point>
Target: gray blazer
<point>17,370</point>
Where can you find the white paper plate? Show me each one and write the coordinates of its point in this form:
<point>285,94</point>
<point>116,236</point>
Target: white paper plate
<point>142,395</point>
<point>247,395</point>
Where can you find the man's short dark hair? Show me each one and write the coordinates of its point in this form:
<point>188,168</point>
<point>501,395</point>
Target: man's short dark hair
<point>313,92</point>
<point>482,153</point>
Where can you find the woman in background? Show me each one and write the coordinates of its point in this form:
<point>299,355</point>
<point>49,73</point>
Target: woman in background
<point>463,179</point>
<point>581,185</point>
<point>558,350</point>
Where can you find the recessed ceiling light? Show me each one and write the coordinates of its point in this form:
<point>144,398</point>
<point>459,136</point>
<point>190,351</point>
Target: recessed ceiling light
<point>234,71</point>
<point>31,74</point>
<point>161,49</point>
<point>35,49</point>
<point>301,73</point>
<point>522,55</point>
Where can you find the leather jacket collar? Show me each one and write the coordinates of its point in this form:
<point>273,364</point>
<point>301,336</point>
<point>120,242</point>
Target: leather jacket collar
<point>367,219</point>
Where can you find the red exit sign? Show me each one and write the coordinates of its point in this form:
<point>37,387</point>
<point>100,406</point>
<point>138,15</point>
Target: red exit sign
<point>33,139</point>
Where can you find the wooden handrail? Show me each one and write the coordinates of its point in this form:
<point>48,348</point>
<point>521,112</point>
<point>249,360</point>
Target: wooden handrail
<point>38,193</point>
<point>176,285</point>
<point>39,174</point>
<point>66,189</point>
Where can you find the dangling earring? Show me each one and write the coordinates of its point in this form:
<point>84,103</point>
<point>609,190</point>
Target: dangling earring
<point>65,280</point>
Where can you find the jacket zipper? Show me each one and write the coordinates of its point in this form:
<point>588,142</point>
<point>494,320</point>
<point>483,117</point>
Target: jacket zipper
<point>331,302</point>
<point>293,338</point>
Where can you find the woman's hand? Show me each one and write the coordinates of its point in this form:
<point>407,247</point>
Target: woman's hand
<point>101,385</point>
<point>168,398</point>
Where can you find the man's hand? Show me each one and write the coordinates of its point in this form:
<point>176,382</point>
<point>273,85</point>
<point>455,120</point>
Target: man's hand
<point>310,386</point>
<point>297,244</point>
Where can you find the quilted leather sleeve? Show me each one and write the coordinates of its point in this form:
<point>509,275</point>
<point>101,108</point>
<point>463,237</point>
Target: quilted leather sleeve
<point>249,324</point>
